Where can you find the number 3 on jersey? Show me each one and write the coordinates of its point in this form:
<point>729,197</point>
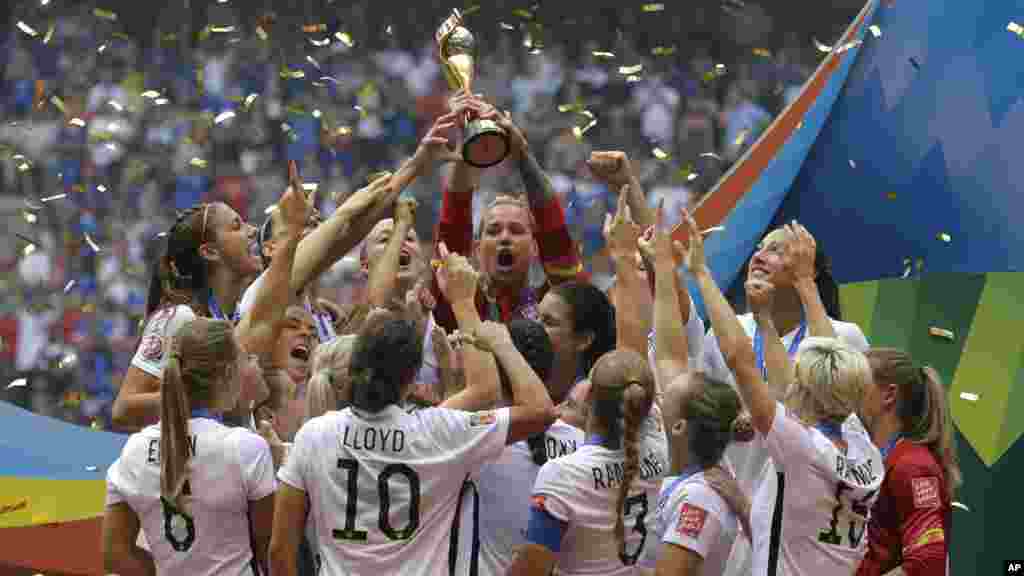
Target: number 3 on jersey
<point>636,505</point>
<point>350,532</point>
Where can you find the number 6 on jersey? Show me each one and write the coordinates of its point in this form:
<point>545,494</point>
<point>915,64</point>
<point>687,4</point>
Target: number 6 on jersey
<point>350,532</point>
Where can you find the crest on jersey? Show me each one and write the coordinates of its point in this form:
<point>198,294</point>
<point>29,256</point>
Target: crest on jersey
<point>482,418</point>
<point>926,492</point>
<point>691,520</point>
<point>152,347</point>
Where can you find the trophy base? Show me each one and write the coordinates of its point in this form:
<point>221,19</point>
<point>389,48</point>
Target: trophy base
<point>484,143</point>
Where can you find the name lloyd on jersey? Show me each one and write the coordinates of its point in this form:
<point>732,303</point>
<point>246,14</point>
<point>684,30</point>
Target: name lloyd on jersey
<point>862,474</point>
<point>611,474</point>
<point>153,453</point>
<point>373,439</point>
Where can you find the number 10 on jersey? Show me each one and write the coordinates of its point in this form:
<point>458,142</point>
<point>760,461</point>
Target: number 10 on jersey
<point>350,532</point>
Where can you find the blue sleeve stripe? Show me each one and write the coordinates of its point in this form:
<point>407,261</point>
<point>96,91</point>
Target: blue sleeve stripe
<point>545,529</point>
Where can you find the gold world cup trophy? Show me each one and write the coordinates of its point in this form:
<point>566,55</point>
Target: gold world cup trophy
<point>484,142</point>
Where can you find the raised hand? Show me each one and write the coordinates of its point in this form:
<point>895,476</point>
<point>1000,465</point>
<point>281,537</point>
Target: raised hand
<point>490,335</point>
<point>799,253</point>
<point>517,139</point>
<point>436,146</point>
<point>657,244</point>
<point>405,210</point>
<point>759,295</point>
<point>611,167</point>
<point>455,276</point>
<point>620,232</point>
<point>693,257</point>
<point>294,205</point>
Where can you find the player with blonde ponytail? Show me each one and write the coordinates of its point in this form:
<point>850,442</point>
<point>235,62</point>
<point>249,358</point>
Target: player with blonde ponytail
<point>201,491</point>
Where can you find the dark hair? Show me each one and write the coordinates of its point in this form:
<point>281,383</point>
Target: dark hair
<point>532,341</point>
<point>181,274</point>
<point>711,416</point>
<point>591,312</point>
<point>828,289</point>
<point>266,233</point>
<point>387,355</point>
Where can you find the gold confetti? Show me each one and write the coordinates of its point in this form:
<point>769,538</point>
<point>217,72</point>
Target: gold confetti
<point>762,52</point>
<point>961,506</point>
<point>314,28</point>
<point>568,107</point>
<point>104,14</point>
<point>150,94</point>
<point>848,46</point>
<point>711,155</point>
<point>630,70</point>
<point>605,55</point>
<point>875,30</point>
<point>310,186</point>
<point>661,154</point>
<point>344,38</point>
<point>92,244</point>
<point>30,217</point>
<point>27,29</point>
<point>317,114</point>
<point>1016,29</point>
<point>741,137</point>
<point>20,382</point>
<point>52,198</point>
<point>523,13</point>
<point>505,26</point>
<point>632,79</point>
<point>293,74</point>
<point>362,111</point>
<point>224,116</point>
<point>320,43</point>
<point>222,29</point>
<point>653,7</point>
<point>24,166</point>
<point>663,50</point>
<point>28,249</point>
<point>578,132</point>
<point>822,47</point>
<point>261,33</point>
<point>197,162</point>
<point>891,195</point>
<point>116,105</point>
<point>471,9</point>
<point>969,396</point>
<point>945,237</point>
<point>250,99</point>
<point>941,333</point>
<point>49,34</point>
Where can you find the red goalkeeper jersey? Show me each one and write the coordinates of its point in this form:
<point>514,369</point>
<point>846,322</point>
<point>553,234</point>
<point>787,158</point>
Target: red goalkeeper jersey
<point>912,518</point>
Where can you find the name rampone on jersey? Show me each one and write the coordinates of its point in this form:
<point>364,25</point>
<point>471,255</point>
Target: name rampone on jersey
<point>860,473</point>
<point>610,475</point>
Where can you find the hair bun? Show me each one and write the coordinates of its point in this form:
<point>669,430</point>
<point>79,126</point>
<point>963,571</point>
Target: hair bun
<point>742,428</point>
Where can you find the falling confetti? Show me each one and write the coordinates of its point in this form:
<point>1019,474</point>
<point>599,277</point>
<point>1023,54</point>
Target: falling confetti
<point>632,79</point>
<point>19,383</point>
<point>388,30</point>
<point>1016,29</point>
<point>505,26</point>
<point>661,154</point>
<point>49,34</point>
<point>941,333</point>
<point>945,237</point>
<point>314,28</point>
<point>161,101</point>
<point>320,43</point>
<point>27,29</point>
<point>102,48</point>
<point>270,209</point>
<point>224,117</point>
<point>292,74</point>
<point>92,244</point>
<point>913,62</point>
<point>222,29</point>
<point>116,105</point>
<point>630,70</point>
<point>101,188</point>
<point>317,114</point>
<point>104,14</point>
<point>523,13</point>
<point>250,99</point>
<point>891,195</point>
<point>52,198</point>
<point>711,155</point>
<point>663,50</point>
<point>653,7</point>
<point>848,46</point>
<point>961,506</point>
<point>344,38</point>
<point>69,286</point>
<point>969,396</point>
<point>30,217</point>
<point>91,468</point>
<point>362,111</point>
<point>762,52</point>
<point>712,230</point>
<point>28,249</point>
<point>822,47</point>
<point>344,131</point>
<point>313,61</point>
<point>57,102</point>
<point>150,94</point>
<point>604,55</point>
<point>69,360</point>
<point>741,137</point>
<point>876,31</point>
<point>852,163</point>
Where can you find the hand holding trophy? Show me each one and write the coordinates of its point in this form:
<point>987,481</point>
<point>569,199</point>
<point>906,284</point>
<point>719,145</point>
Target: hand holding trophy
<point>484,142</point>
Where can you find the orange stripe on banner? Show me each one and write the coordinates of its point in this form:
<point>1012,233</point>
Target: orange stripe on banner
<point>716,205</point>
<point>67,547</point>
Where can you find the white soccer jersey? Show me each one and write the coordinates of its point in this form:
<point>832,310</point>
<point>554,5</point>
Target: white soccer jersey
<point>693,516</point>
<point>383,488</point>
<point>581,489</point>
<point>155,345</point>
<point>813,520</point>
<point>749,461</point>
<point>505,487</point>
<point>229,468</point>
<point>324,326</point>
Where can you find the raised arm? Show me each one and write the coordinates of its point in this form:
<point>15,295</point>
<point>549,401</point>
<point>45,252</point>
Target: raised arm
<point>631,292</point>
<point>776,360</point>
<point>258,330</point>
<point>800,254</point>
<point>614,169</point>
<point>383,282</point>
<point>532,409</point>
<point>733,341</point>
<point>459,283</point>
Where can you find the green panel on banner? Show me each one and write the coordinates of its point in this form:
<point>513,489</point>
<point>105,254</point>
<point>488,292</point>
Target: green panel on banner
<point>858,302</point>
<point>895,314</point>
<point>947,302</point>
<point>990,367</point>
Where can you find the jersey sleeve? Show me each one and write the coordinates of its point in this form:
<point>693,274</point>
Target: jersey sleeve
<point>853,336</point>
<point>116,488</point>
<point>789,442</point>
<point>695,523</point>
<point>919,494</point>
<point>549,494</point>
<point>294,470</point>
<point>256,464</point>
<point>712,362</point>
<point>249,296</point>
<point>474,438</point>
<point>154,347</point>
